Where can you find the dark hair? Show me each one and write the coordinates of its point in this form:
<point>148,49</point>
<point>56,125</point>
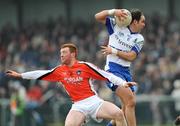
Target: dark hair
<point>72,47</point>
<point>136,14</point>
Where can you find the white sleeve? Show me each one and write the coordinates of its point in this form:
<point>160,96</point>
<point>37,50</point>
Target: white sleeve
<point>116,80</point>
<point>35,74</point>
<point>111,77</point>
<point>139,42</point>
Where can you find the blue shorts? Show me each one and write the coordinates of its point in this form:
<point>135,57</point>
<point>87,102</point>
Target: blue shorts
<point>122,72</point>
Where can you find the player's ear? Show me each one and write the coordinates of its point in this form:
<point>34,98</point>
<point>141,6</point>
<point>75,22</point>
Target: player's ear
<point>134,22</point>
<point>73,54</point>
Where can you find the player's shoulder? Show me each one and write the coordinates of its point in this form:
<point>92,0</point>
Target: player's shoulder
<point>110,22</point>
<point>88,64</point>
<point>84,63</point>
<point>81,62</point>
<point>59,67</point>
<point>138,37</point>
<point>111,19</point>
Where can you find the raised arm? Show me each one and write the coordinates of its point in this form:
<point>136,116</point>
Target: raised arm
<point>101,16</point>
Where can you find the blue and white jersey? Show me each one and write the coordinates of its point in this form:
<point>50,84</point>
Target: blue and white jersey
<point>121,38</point>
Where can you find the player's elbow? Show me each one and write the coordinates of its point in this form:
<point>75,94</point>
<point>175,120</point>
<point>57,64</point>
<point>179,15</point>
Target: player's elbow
<point>100,17</point>
<point>131,58</point>
<point>97,17</point>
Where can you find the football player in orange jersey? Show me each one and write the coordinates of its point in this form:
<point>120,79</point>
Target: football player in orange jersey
<point>76,77</point>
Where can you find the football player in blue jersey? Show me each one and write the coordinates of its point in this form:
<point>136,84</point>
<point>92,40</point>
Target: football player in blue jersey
<point>125,43</point>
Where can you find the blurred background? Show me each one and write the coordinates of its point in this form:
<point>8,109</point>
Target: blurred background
<point>31,32</point>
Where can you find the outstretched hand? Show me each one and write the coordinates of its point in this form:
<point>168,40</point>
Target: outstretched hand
<point>130,84</point>
<point>12,73</point>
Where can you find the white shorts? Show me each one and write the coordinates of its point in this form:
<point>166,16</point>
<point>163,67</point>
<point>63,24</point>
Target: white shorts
<point>89,107</point>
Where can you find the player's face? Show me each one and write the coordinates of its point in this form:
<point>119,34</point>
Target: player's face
<point>65,56</point>
<point>141,23</point>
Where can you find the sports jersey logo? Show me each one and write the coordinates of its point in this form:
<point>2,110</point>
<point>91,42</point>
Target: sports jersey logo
<point>120,34</point>
<point>78,72</point>
<point>129,37</point>
<point>73,80</point>
<point>122,43</point>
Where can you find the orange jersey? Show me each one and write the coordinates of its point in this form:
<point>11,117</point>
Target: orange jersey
<point>77,80</point>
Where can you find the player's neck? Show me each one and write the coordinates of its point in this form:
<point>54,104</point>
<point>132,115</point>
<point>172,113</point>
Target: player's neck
<point>133,29</point>
<point>73,61</point>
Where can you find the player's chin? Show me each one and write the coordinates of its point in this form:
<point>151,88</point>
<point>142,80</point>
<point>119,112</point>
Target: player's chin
<point>63,61</point>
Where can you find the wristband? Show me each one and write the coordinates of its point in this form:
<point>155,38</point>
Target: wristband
<point>114,51</point>
<point>111,12</point>
<point>124,83</point>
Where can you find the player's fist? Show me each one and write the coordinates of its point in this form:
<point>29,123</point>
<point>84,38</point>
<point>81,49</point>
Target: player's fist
<point>120,13</point>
